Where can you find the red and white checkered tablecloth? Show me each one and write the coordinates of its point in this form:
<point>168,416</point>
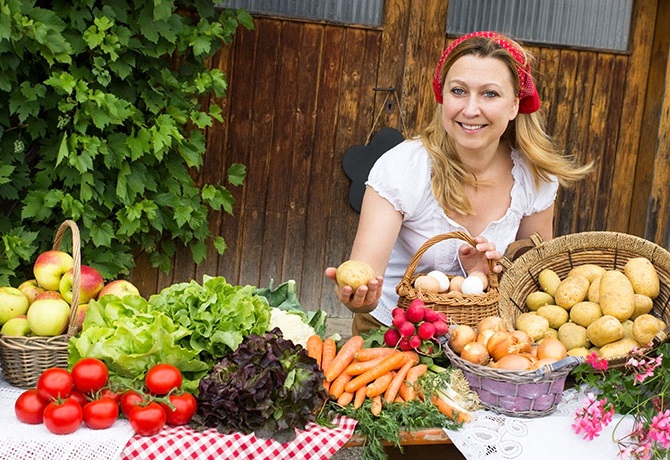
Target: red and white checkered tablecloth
<point>184,443</point>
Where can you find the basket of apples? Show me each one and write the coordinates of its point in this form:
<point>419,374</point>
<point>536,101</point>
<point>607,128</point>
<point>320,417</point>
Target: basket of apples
<point>417,328</point>
<point>39,316</point>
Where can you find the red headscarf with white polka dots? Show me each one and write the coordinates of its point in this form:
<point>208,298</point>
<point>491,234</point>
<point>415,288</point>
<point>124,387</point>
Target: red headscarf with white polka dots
<point>529,100</point>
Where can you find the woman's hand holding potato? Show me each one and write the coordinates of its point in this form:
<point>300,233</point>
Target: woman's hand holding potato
<point>356,285</point>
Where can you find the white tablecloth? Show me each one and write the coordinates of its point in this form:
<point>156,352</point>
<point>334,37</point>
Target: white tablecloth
<point>35,442</point>
<point>496,437</point>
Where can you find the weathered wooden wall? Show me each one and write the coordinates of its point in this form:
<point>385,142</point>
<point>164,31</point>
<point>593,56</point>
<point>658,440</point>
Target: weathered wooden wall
<point>301,94</point>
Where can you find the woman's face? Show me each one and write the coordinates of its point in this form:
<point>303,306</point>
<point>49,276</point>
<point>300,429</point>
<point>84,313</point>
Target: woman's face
<point>479,102</point>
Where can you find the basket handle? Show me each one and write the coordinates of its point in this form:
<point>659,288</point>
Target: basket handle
<point>517,248</point>
<point>76,268</point>
<point>413,264</point>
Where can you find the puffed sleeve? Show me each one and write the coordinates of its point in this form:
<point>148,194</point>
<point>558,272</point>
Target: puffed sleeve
<point>402,176</point>
<point>531,197</point>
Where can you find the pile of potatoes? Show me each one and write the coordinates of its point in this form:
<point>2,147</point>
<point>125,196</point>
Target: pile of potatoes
<point>594,309</point>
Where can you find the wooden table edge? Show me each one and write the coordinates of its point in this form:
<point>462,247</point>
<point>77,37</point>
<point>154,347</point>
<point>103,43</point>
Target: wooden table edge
<point>408,438</point>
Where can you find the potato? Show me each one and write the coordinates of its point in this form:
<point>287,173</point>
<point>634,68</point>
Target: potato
<point>573,335</point>
<point>580,352</point>
<point>589,271</point>
<point>643,276</point>
<point>584,313</point>
<point>604,330</point>
<point>594,289</point>
<point>549,281</point>
<point>641,304</point>
<point>571,290</point>
<point>645,327</point>
<point>617,349</point>
<point>532,324</point>
<point>537,299</point>
<point>354,273</point>
<point>556,315</point>
<point>616,295</point>
<point>628,329</point>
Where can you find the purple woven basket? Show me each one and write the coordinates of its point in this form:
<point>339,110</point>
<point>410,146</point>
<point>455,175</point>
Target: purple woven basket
<point>525,394</point>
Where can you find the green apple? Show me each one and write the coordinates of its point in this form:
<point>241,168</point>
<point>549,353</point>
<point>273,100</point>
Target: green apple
<point>12,303</point>
<point>16,326</point>
<point>90,284</point>
<point>119,288</point>
<point>48,317</point>
<point>50,266</point>
<point>49,295</point>
<point>31,289</point>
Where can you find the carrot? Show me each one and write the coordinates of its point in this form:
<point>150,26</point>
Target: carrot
<point>344,357</point>
<point>358,367</point>
<point>376,406</point>
<point>411,356</point>
<point>314,347</point>
<point>379,385</point>
<point>329,350</point>
<point>394,386</point>
<point>367,354</point>
<point>408,391</point>
<point>451,410</point>
<point>359,397</point>
<point>390,363</point>
<point>337,385</point>
<point>399,399</point>
<point>345,398</point>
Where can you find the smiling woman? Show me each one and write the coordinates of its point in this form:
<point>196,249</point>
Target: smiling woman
<point>483,166</point>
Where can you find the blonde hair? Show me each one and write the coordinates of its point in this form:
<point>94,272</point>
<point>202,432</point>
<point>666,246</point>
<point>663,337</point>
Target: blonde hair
<point>526,133</point>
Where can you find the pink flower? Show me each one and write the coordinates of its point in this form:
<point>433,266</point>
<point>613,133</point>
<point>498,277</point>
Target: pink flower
<point>592,417</point>
<point>643,368</point>
<point>659,430</point>
<point>599,364</point>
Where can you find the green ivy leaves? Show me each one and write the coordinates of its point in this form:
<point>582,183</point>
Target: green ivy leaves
<point>101,122</point>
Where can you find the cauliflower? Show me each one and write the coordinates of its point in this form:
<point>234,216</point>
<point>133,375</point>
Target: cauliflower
<point>293,328</point>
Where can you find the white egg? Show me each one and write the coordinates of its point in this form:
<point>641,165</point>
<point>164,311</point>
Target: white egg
<point>442,278</point>
<point>472,285</point>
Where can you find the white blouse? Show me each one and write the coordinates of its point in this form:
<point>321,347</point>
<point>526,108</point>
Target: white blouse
<point>403,177</point>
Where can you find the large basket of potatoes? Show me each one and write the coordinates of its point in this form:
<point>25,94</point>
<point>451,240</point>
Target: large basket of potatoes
<point>603,292</point>
<point>463,300</point>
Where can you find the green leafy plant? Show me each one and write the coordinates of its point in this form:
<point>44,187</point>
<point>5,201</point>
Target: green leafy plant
<point>103,111</point>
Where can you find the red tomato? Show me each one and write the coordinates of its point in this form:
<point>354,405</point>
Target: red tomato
<point>162,378</point>
<point>130,399</point>
<point>63,417</point>
<point>79,397</point>
<point>89,375</point>
<point>147,420</point>
<point>185,406</point>
<point>29,407</point>
<point>54,383</point>
<point>101,413</point>
<point>109,393</point>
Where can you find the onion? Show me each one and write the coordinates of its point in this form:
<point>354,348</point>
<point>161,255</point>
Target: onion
<point>542,362</point>
<point>484,336</point>
<point>494,323</point>
<point>500,344</point>
<point>551,348</point>
<point>461,336</point>
<point>513,362</point>
<point>524,341</point>
<point>476,353</point>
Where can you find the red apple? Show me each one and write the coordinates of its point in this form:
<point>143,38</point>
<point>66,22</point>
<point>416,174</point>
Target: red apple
<point>81,315</point>
<point>49,295</point>
<point>17,326</point>
<point>12,303</point>
<point>31,289</point>
<point>50,266</point>
<point>90,284</point>
<point>119,288</point>
<point>48,317</point>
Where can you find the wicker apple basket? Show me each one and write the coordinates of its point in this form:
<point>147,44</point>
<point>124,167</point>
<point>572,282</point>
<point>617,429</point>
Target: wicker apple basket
<point>610,250</point>
<point>460,309</point>
<point>23,359</point>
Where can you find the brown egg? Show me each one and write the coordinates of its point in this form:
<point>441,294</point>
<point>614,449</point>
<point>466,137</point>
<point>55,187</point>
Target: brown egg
<point>456,283</point>
<point>427,283</point>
